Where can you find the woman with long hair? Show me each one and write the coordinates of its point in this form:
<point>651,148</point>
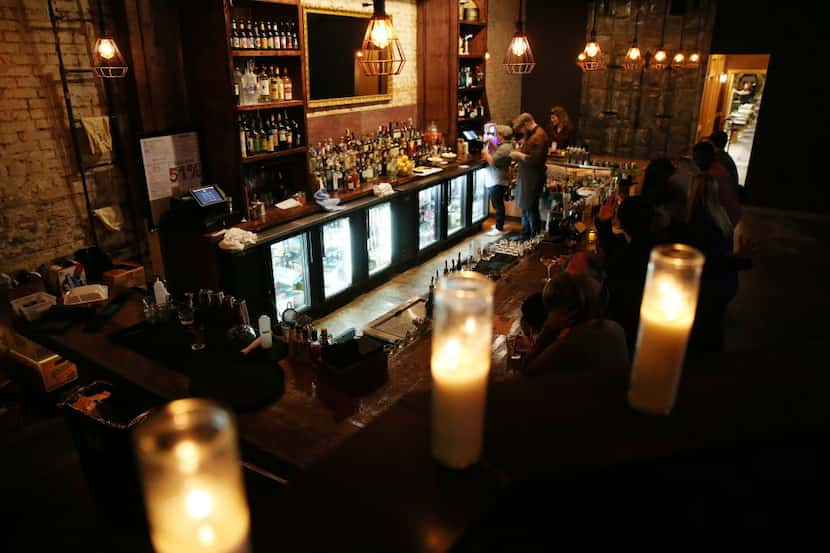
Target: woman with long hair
<point>559,128</point>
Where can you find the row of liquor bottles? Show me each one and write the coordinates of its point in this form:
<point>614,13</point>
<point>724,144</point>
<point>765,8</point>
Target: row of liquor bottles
<point>264,35</point>
<point>469,108</point>
<point>261,84</point>
<point>260,134</point>
<point>469,77</point>
<point>350,160</point>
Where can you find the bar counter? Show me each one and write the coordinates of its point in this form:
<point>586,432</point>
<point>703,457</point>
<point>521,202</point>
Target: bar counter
<point>361,476</point>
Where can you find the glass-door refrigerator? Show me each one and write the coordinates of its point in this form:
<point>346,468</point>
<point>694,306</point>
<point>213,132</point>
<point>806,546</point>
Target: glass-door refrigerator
<point>480,199</point>
<point>379,237</point>
<point>337,256</point>
<point>289,267</point>
<point>429,212</point>
<point>456,198</point>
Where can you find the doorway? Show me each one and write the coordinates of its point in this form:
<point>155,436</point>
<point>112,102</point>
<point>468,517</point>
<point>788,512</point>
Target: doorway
<point>731,101</point>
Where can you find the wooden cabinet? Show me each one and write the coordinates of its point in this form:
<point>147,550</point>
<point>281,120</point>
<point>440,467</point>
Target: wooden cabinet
<point>269,168</point>
<point>452,75</point>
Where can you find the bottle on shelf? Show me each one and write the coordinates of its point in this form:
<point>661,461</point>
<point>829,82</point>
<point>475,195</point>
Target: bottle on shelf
<point>235,42</point>
<point>288,85</point>
<point>277,86</point>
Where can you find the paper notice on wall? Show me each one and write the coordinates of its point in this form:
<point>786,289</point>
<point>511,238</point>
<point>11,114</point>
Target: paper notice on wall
<point>172,164</point>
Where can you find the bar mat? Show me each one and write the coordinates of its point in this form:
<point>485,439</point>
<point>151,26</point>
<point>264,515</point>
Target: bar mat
<point>498,263</point>
<point>241,382</point>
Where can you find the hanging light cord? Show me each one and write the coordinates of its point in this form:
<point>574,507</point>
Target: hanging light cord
<point>520,21</point>
<point>594,24</point>
<point>636,21</point>
<point>663,28</point>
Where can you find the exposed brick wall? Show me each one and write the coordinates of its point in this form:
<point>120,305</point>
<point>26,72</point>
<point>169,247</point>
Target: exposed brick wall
<point>43,214</point>
<point>403,87</point>
<point>504,92</point>
<point>668,101</point>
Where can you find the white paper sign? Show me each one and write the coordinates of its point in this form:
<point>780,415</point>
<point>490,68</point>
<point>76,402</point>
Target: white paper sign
<point>171,162</point>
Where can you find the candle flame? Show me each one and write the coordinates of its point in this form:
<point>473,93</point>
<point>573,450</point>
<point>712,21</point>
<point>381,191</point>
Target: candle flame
<point>470,325</point>
<point>206,534</point>
<point>187,453</point>
<point>452,350</point>
<point>199,504</point>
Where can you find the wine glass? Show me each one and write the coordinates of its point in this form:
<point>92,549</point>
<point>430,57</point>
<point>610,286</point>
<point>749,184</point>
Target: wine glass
<point>548,261</point>
<point>186,312</point>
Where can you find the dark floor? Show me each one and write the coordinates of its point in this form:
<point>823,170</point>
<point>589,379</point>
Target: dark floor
<point>46,504</point>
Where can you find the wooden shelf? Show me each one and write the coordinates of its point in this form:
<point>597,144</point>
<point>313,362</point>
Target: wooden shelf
<point>272,105</point>
<point>274,155</point>
<point>470,89</point>
<point>275,216</point>
<point>264,53</point>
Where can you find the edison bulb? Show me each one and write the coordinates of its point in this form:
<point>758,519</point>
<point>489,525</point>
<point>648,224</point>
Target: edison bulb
<point>679,57</point>
<point>633,53</point>
<point>380,34</point>
<point>660,55</point>
<point>106,49</point>
<point>592,49</point>
<point>694,58</point>
<point>518,46</point>
<point>581,56</point>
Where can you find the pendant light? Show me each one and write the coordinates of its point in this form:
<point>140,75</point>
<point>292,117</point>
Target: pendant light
<point>519,60</point>
<point>678,61</point>
<point>591,57</point>
<point>660,59</point>
<point>381,52</point>
<point>634,57</point>
<point>107,59</point>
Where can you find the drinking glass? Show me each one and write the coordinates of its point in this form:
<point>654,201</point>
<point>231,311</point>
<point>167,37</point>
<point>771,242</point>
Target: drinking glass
<point>548,261</point>
<point>186,312</point>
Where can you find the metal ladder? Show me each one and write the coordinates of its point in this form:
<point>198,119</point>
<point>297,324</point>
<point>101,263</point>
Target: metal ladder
<point>74,75</point>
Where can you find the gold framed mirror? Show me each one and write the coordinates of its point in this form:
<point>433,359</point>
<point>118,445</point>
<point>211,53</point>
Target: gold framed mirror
<point>333,77</point>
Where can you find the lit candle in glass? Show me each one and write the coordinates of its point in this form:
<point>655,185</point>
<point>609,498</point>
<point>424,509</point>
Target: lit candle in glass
<point>461,343</point>
<point>193,492</point>
<point>666,316</point>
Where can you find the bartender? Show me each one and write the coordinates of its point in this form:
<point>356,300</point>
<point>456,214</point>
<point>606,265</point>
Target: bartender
<point>497,155</point>
<point>559,129</point>
<point>530,180</point>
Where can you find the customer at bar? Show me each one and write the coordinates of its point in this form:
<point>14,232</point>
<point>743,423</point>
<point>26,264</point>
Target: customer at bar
<point>575,336</point>
<point>559,129</point>
<point>497,155</point>
<point>704,156</point>
<point>710,231</point>
<point>530,180</point>
<point>666,194</point>
<point>626,259</point>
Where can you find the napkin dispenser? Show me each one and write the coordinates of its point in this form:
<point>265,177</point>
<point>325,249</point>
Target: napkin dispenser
<point>356,366</point>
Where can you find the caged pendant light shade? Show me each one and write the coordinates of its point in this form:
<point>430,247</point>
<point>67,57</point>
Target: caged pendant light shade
<point>107,60</point>
<point>660,60</point>
<point>519,60</point>
<point>634,57</point>
<point>591,57</point>
<point>381,52</point>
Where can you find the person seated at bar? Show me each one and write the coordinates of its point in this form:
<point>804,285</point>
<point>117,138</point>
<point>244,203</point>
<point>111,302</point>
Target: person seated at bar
<point>497,155</point>
<point>667,196</point>
<point>534,315</point>
<point>626,260</point>
<point>590,265</point>
<point>532,172</point>
<point>710,231</point>
<point>704,156</point>
<point>559,130</point>
<point>575,337</point>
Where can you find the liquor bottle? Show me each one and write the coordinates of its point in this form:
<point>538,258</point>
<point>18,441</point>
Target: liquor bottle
<point>257,37</point>
<point>283,39</point>
<point>283,137</point>
<point>243,36</point>
<point>480,108</point>
<point>237,83</point>
<point>263,36</point>
<point>243,146</point>
<point>250,35</point>
<point>275,133</point>
<point>234,35</point>
<point>270,34</point>
<point>269,136</point>
<point>460,109</point>
<point>264,85</point>
<point>296,135</point>
<point>277,86</point>
<point>295,40</point>
<point>288,86</point>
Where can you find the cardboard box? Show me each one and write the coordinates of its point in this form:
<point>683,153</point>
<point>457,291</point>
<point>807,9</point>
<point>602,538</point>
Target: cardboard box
<point>124,276</point>
<point>63,275</point>
<point>54,370</point>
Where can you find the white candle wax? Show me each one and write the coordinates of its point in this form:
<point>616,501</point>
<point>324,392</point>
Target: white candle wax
<point>201,517</point>
<point>460,368</point>
<point>666,318</point>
